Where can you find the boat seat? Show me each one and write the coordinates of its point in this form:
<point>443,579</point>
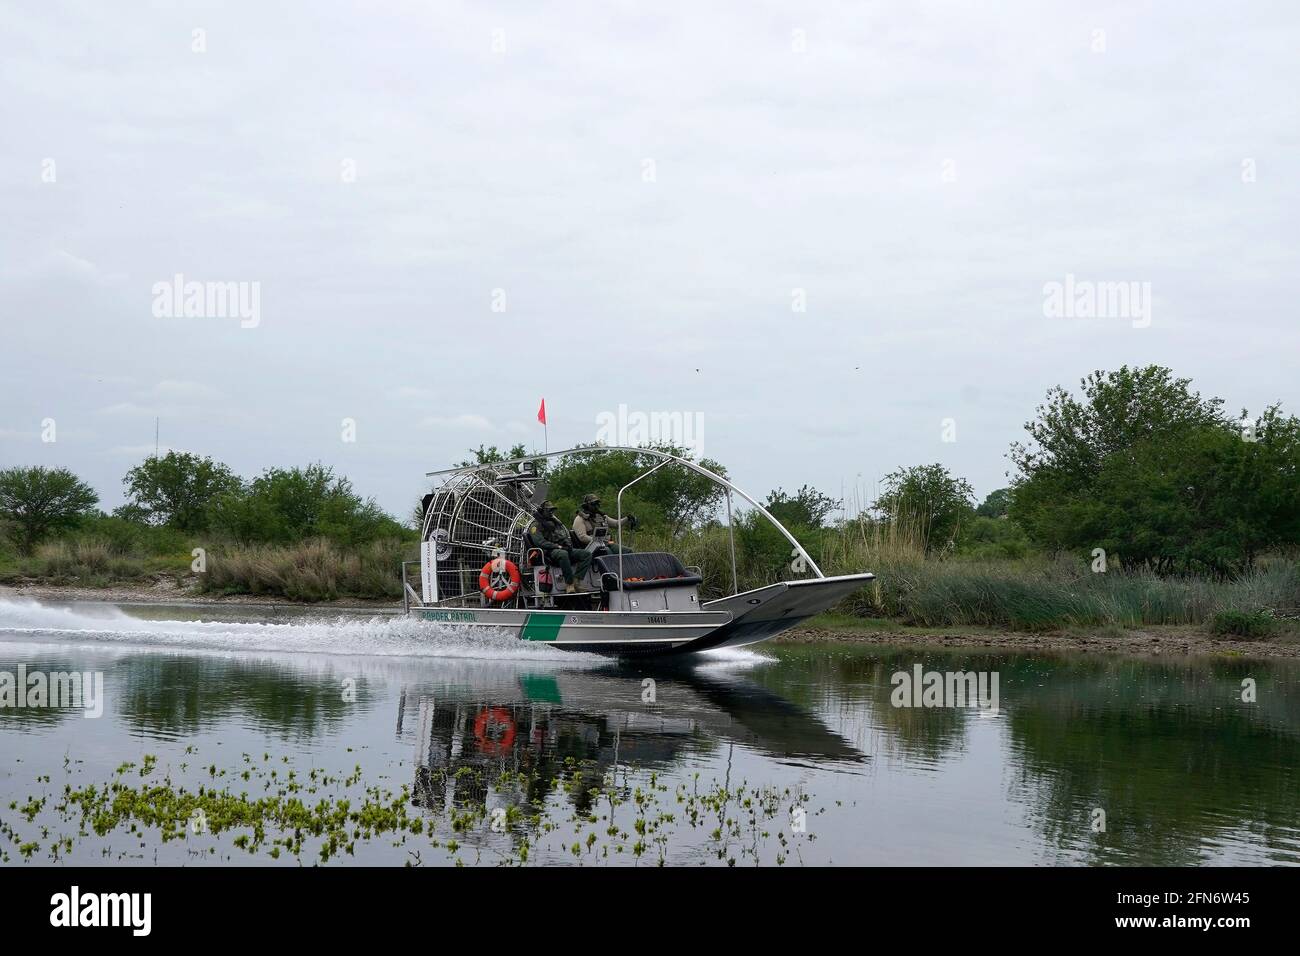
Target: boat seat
<point>533,556</point>
<point>647,569</point>
<point>533,551</point>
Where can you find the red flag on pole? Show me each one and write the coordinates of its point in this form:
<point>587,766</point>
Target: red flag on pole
<point>541,412</point>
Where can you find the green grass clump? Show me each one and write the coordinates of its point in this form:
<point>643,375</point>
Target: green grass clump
<point>315,570</point>
<point>1051,595</point>
<point>1248,625</point>
<point>312,570</point>
<point>997,586</point>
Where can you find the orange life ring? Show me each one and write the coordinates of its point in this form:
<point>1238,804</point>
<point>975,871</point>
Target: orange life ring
<point>493,585</point>
<point>501,717</point>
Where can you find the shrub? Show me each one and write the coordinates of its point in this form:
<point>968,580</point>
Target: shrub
<point>287,506</point>
<point>1243,624</point>
<point>1039,594</point>
<point>314,570</point>
<point>81,560</point>
<point>992,538</point>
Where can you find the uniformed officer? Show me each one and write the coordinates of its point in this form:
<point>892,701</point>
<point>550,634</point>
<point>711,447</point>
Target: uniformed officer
<point>550,534</point>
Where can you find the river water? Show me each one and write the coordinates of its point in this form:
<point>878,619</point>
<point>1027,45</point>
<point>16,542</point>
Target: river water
<point>482,751</point>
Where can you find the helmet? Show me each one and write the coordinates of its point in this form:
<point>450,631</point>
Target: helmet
<point>547,507</point>
<point>590,502</point>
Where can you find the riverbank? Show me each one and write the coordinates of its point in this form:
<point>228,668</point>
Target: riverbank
<point>1152,640</point>
<point>165,590</point>
<point>1156,640</point>
<point>1034,594</point>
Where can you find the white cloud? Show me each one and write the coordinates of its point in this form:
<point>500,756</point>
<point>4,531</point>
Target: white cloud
<point>56,265</point>
<point>127,410</point>
<point>172,390</point>
<point>465,421</point>
<point>413,393</point>
<point>522,171</point>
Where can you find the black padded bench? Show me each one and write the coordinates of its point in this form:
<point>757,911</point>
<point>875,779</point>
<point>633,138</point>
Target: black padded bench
<point>654,569</point>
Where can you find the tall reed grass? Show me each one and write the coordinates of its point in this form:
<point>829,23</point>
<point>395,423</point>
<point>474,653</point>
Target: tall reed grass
<point>314,570</point>
<point>1026,594</point>
<point>89,561</point>
<point>1029,594</point>
<point>1041,593</point>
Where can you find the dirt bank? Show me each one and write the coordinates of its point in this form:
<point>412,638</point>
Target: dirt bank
<point>165,590</point>
<point>1169,640</point>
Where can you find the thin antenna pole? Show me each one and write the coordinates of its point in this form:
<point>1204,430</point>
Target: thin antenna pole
<point>731,533</point>
<point>155,437</point>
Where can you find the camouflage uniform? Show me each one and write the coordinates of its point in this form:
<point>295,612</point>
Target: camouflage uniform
<point>553,538</point>
<point>590,517</point>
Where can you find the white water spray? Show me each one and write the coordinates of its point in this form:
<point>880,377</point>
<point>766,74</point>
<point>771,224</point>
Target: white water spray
<point>28,620</point>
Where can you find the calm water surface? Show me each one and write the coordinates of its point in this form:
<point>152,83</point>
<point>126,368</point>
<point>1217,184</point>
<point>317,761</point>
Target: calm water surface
<point>1184,770</point>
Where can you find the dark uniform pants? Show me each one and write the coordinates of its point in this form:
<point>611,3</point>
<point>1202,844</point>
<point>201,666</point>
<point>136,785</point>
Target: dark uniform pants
<point>572,562</point>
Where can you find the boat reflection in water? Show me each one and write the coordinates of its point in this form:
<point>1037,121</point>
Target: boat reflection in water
<point>575,731</point>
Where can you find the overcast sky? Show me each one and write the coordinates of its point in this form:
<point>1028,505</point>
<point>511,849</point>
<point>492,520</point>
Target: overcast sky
<point>649,186</point>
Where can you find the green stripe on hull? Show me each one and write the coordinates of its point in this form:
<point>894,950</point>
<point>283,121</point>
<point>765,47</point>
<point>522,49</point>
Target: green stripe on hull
<point>542,627</point>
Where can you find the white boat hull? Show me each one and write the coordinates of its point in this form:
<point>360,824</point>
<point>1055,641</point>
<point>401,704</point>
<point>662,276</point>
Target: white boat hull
<point>759,614</point>
<point>734,621</point>
<point>608,632</point>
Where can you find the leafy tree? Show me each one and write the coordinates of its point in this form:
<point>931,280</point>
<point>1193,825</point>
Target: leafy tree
<point>762,552</point>
<point>283,506</point>
<point>992,538</point>
<point>132,512</point>
<point>178,489</point>
<point>40,501</point>
<point>932,499</point>
<point>1144,468</point>
<point>1201,500</point>
<point>674,496</point>
<point>806,508</point>
<point>996,504</point>
<point>491,454</point>
<point>1071,437</point>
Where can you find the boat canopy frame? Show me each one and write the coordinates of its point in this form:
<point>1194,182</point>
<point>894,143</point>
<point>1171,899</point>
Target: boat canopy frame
<point>481,484</point>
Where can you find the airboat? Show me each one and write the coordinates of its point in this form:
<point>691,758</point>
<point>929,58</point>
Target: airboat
<point>480,568</point>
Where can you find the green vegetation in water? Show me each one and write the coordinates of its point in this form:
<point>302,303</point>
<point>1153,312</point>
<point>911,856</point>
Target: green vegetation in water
<point>299,818</point>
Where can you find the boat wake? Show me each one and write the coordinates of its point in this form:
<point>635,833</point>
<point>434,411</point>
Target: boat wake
<point>28,620</point>
<point>731,659</point>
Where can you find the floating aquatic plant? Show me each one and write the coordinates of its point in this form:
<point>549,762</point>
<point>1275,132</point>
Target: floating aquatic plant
<point>326,816</point>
